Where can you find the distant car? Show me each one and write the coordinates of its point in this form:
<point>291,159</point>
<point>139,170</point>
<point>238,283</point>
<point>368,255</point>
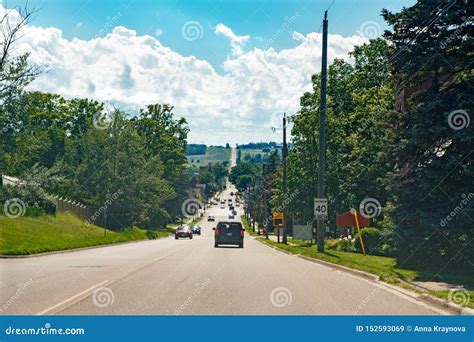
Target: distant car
<point>232,194</point>
<point>231,207</point>
<point>183,231</point>
<point>211,218</point>
<point>196,229</point>
<point>229,233</point>
<point>237,204</point>
<point>234,212</point>
<point>231,215</point>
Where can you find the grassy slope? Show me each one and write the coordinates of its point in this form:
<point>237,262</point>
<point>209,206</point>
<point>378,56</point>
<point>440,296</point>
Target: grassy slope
<point>385,267</point>
<point>30,235</point>
<point>213,154</point>
<point>247,226</point>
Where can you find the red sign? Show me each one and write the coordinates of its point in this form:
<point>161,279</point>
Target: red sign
<point>347,219</point>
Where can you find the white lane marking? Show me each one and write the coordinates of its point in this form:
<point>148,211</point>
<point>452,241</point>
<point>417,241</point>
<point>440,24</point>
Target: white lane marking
<point>70,299</point>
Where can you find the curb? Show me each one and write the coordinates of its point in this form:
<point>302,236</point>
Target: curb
<point>424,297</point>
<point>441,303</point>
<point>362,274</point>
<point>359,273</point>
<point>72,250</point>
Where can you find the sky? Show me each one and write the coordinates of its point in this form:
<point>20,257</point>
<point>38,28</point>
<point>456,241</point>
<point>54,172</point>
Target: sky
<point>231,68</point>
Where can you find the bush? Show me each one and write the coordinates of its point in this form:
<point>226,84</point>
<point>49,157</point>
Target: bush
<point>31,200</point>
<point>151,235</point>
<point>372,240</point>
<point>341,245</point>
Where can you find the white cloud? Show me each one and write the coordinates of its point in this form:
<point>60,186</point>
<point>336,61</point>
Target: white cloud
<point>236,42</point>
<point>131,71</point>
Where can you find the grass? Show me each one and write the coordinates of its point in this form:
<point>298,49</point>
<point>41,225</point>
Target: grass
<point>247,226</point>
<point>31,235</point>
<point>385,267</point>
<point>213,154</point>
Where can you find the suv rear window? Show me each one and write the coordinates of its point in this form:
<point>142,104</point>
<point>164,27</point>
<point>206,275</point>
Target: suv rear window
<point>231,227</point>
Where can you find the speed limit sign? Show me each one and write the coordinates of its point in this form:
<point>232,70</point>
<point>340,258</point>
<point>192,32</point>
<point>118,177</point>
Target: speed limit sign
<point>321,208</point>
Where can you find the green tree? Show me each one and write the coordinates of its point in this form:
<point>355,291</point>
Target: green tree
<point>428,139</point>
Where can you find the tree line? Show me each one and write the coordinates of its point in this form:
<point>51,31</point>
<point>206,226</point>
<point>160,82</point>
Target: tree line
<point>399,141</point>
<point>79,149</point>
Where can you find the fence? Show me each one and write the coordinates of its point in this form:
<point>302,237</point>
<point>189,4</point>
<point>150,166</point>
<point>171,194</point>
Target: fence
<point>80,210</point>
<point>63,204</point>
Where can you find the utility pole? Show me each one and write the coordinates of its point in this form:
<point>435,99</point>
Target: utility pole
<point>265,209</point>
<point>285,154</point>
<point>322,133</point>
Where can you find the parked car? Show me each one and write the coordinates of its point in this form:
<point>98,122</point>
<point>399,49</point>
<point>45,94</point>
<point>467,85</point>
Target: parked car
<point>211,218</point>
<point>183,231</point>
<point>196,229</point>
<point>231,215</point>
<point>229,233</point>
<point>234,212</point>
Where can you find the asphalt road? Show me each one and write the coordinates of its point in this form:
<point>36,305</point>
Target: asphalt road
<point>190,277</point>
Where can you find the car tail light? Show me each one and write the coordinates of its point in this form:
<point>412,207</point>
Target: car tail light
<point>241,232</point>
<point>217,231</point>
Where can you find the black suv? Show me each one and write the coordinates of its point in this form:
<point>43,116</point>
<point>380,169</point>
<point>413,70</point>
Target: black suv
<point>229,233</point>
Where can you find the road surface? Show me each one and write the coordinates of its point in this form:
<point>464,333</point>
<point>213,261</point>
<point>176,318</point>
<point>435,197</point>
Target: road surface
<point>190,277</point>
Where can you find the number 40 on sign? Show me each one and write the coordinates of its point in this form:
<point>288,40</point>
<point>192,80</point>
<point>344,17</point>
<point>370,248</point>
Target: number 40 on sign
<point>321,207</point>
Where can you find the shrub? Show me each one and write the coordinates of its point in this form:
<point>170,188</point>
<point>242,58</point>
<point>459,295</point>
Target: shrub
<point>34,199</point>
<point>372,240</point>
<point>341,245</point>
<point>151,235</point>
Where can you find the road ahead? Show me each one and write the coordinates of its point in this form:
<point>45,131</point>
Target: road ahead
<point>186,277</point>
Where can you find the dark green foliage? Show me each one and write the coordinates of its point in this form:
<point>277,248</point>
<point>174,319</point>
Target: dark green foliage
<point>244,168</point>
<point>243,181</point>
<point>25,201</point>
<point>260,145</point>
<point>430,150</point>
<point>195,149</point>
<point>371,237</point>
<point>151,235</point>
<point>341,245</point>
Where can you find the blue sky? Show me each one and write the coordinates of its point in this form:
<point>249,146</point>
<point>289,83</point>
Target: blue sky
<point>85,18</point>
<point>242,46</point>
